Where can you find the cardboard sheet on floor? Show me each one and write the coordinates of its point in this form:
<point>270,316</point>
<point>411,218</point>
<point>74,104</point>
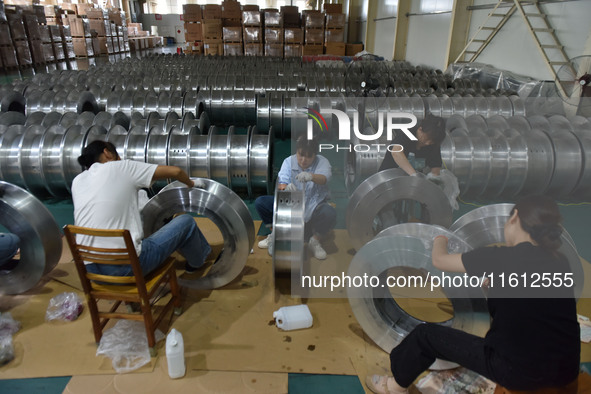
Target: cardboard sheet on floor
<point>193,382</point>
<point>44,349</point>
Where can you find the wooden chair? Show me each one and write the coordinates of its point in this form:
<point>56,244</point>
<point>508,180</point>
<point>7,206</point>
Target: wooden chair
<point>128,289</point>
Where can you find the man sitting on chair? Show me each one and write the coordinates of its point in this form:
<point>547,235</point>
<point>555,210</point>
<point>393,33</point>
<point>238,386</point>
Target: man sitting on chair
<point>105,196</point>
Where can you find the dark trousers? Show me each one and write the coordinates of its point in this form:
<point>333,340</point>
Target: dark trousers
<point>324,217</point>
<point>428,341</point>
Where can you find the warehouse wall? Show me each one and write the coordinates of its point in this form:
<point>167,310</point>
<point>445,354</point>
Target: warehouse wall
<point>168,26</point>
<point>512,49</point>
<point>385,26</point>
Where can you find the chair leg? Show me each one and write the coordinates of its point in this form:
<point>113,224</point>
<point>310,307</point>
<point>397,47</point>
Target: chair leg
<point>176,293</point>
<point>153,351</point>
<point>94,317</point>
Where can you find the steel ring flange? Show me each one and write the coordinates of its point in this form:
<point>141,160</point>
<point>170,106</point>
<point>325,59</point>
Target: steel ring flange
<point>376,310</point>
<point>260,160</point>
<point>485,226</point>
<point>221,206</point>
<point>383,189</point>
<point>288,232</point>
<point>51,161</point>
<point>41,245</point>
<point>582,129</point>
<point>29,160</point>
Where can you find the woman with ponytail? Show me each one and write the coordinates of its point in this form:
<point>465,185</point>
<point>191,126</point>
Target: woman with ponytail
<point>105,196</point>
<point>534,341</point>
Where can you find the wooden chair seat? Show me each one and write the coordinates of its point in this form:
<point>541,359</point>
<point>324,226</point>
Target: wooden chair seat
<point>129,289</point>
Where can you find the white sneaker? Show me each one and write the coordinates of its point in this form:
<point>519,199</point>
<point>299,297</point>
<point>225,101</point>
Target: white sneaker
<point>267,243</point>
<point>316,248</point>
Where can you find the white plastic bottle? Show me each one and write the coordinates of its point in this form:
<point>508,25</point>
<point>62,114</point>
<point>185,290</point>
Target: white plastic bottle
<point>175,354</point>
<point>293,317</point>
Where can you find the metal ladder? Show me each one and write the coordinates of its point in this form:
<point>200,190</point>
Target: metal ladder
<point>537,23</point>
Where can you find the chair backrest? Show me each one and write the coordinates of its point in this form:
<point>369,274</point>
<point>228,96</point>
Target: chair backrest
<point>105,256</point>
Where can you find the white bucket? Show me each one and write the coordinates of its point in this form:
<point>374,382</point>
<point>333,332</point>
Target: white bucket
<point>175,354</point>
<point>293,317</point>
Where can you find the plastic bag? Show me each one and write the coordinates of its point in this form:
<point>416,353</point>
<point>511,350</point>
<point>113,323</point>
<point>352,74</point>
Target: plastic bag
<point>8,326</point>
<point>448,182</point>
<point>126,344</point>
<point>65,307</point>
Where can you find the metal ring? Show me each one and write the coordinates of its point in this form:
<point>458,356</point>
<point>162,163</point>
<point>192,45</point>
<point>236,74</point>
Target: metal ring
<point>223,207</point>
<point>288,231</point>
<point>41,245</point>
<point>380,191</point>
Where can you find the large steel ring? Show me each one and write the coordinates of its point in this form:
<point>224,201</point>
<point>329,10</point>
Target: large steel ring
<point>288,231</point>
<point>407,245</point>
<point>380,191</point>
<point>485,226</point>
<point>223,207</point>
<point>41,245</point>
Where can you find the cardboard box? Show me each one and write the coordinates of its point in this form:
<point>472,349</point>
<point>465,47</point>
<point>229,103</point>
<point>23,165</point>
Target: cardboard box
<point>250,7</point>
<point>314,36</point>
<point>48,52</point>
<point>37,55</point>
<point>69,8</point>
<point>291,20</point>
<point>232,34</point>
<point>5,38</point>
<point>292,50</point>
<point>314,20</point>
<point>43,33</point>
<point>273,18</point>
<point>251,18</point>
<point>51,10</point>
<point>335,48</point>
<point>17,27</point>
<point>86,27</point>
<point>353,49</point>
<point>102,46</point>
<point>83,8</point>
<point>9,56</point>
<point>193,31</point>
<point>212,29</point>
<point>233,49</point>
<point>253,49</point>
<point>66,33</point>
<point>23,53</point>
<point>275,50</point>
<point>231,11</point>
<point>333,8</point>
<point>55,33</point>
<point>312,50</point>
<point>31,26</point>
<point>213,47</point>
<point>335,21</point>
<point>95,13</point>
<point>334,35</point>
<point>293,35</point>
<point>114,16</point>
<point>289,10</point>
<point>231,23</point>
<point>212,11</point>
<point>274,35</point>
<point>79,46</point>
<point>253,34</point>
<point>192,13</point>
<point>76,27</point>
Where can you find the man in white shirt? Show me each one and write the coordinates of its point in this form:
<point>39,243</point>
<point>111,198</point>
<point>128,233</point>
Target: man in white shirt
<point>308,171</point>
<point>105,196</point>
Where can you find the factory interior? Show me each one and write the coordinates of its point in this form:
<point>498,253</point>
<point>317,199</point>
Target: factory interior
<point>232,93</point>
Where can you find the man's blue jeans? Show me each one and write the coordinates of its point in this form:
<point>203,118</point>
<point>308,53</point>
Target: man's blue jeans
<point>180,233</point>
<point>9,244</point>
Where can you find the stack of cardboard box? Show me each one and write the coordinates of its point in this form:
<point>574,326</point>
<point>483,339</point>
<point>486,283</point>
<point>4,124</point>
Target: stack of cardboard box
<point>293,34</point>
<point>273,32</point>
<point>253,33</point>
<point>334,35</point>
<point>212,30</point>
<point>19,37</point>
<point>232,28</point>
<point>314,33</point>
<point>8,58</point>
<point>98,27</point>
<point>193,30</point>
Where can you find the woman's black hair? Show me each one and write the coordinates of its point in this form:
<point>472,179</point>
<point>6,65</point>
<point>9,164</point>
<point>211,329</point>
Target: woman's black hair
<point>92,152</point>
<point>540,218</point>
<point>306,147</point>
<point>434,127</point>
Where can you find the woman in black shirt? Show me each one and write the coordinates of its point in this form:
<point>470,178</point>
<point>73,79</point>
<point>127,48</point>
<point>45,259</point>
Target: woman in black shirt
<point>533,342</point>
<point>420,154</point>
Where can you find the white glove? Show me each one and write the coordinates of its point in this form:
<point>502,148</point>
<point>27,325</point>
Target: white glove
<point>418,174</point>
<point>199,184</point>
<point>304,177</point>
<point>290,188</point>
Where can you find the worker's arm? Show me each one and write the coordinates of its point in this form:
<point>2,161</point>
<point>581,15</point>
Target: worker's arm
<point>166,172</point>
<point>402,161</point>
<point>443,260</point>
<point>282,186</point>
<point>319,179</point>
<point>436,171</point>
